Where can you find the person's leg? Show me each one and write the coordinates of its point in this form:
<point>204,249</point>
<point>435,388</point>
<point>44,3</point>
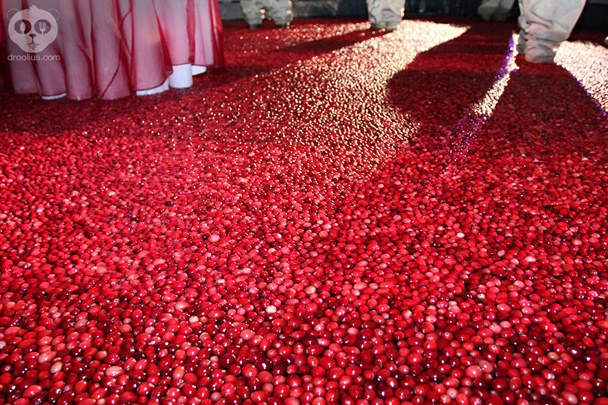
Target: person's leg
<point>547,25</point>
<point>503,10</point>
<point>487,8</point>
<point>374,13</point>
<point>252,12</point>
<point>393,13</point>
<point>523,26</point>
<point>280,12</point>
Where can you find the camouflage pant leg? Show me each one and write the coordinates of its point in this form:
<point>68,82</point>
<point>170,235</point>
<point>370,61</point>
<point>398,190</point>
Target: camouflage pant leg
<point>278,10</point>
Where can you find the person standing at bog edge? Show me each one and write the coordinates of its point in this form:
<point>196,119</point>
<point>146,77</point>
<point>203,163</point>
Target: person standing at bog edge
<point>385,14</point>
<point>544,25</point>
<point>278,10</point>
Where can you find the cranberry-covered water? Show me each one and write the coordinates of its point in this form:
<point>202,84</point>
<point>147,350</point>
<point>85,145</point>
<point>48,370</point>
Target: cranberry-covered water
<point>341,216</point>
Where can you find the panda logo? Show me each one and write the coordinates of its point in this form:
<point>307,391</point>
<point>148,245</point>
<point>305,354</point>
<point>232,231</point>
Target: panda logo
<point>32,29</point>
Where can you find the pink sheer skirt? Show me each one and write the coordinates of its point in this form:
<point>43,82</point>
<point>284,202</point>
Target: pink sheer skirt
<point>109,48</point>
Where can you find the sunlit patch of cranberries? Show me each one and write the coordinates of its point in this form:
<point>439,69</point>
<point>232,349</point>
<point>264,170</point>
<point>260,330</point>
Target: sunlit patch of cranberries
<point>266,238</point>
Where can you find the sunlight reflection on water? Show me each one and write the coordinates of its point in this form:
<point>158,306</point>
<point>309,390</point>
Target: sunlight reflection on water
<point>588,63</point>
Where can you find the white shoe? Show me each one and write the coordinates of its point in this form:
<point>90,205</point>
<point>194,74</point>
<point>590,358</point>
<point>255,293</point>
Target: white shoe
<point>160,89</point>
<point>54,97</point>
<point>181,77</point>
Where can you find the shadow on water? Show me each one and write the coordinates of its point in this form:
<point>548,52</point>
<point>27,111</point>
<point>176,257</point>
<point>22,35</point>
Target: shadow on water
<point>544,139</point>
<point>440,85</point>
<point>255,52</point>
<point>544,129</point>
<point>310,49</point>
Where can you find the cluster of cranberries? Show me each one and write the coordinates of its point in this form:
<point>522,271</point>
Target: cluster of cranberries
<point>304,229</point>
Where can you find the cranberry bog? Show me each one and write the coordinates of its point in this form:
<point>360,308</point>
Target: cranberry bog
<point>340,216</point>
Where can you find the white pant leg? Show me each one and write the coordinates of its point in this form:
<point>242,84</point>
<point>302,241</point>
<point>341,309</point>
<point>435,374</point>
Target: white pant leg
<point>547,24</point>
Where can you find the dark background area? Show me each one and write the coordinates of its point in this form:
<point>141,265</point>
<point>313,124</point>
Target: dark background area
<point>594,17</point>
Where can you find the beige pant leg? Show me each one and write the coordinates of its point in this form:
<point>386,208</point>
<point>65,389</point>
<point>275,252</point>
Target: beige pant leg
<point>521,43</point>
<point>486,9</point>
<point>504,10</point>
<point>279,11</point>
<point>252,11</point>
<point>497,10</point>
<point>387,13</point>
<point>546,25</point>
